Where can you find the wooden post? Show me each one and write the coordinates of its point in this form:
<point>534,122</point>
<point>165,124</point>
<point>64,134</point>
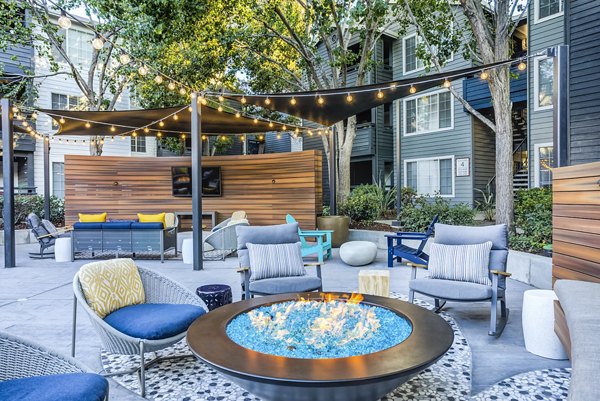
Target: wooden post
<point>196,132</point>
<point>8,213</point>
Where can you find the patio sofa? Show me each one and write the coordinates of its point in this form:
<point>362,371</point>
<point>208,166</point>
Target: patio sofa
<point>122,237</point>
<point>577,324</point>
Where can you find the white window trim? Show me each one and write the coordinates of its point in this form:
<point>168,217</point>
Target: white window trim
<point>536,13</point>
<point>407,99</point>
<point>536,172</point>
<point>536,89</point>
<point>64,63</point>
<point>406,161</point>
<point>404,54</point>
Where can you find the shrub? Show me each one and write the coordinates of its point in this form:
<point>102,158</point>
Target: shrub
<point>533,220</point>
<point>487,205</point>
<point>386,198</point>
<point>25,204</point>
<point>416,215</point>
<point>362,205</point>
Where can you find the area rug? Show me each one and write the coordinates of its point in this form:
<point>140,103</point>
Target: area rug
<point>190,380</point>
<point>547,385</point>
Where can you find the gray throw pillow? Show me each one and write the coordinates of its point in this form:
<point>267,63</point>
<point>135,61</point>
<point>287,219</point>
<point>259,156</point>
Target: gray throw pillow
<point>275,260</point>
<point>468,263</point>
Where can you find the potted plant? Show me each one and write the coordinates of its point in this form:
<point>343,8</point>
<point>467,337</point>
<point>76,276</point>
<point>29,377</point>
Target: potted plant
<point>340,225</point>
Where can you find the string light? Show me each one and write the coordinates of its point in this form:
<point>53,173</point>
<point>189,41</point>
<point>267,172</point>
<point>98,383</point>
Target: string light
<point>220,108</point>
<point>310,133</point>
<point>267,101</point>
<point>293,101</point>
<point>61,120</point>
<point>446,84</point>
<point>223,138</point>
<point>243,100</point>
<point>190,109</point>
<point>484,75</point>
<point>183,136</point>
<point>15,109</point>
<point>161,123</point>
<point>146,130</point>
<point>379,94</point>
<point>101,141</point>
<point>122,137</point>
<point>271,124</point>
<point>87,124</point>
<point>242,138</point>
<point>182,91</point>
<point>238,115</point>
<point>133,134</point>
<point>412,90</point>
<point>522,66</point>
<point>112,129</point>
<point>34,115</point>
<point>112,139</point>
<point>256,121</point>
<point>204,137</point>
<point>261,137</point>
<point>143,70</point>
<point>98,43</point>
<point>171,86</point>
<point>25,123</point>
<point>278,136</point>
<point>349,98</point>
<point>221,98</point>
<point>63,21</point>
<point>175,117</point>
<point>320,100</point>
<point>124,58</point>
<point>158,79</point>
<point>203,101</point>
<point>284,127</point>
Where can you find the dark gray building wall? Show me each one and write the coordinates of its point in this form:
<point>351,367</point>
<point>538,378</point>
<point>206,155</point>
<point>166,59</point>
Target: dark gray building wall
<point>274,145</point>
<point>583,36</point>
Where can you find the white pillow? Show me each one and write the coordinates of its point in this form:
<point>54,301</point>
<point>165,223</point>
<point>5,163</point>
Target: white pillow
<point>278,260</point>
<point>460,262</point>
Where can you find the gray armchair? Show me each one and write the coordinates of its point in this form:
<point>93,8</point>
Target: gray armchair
<point>449,290</point>
<point>277,234</point>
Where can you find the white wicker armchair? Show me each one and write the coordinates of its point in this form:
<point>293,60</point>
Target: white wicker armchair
<point>223,237</point>
<point>158,289</point>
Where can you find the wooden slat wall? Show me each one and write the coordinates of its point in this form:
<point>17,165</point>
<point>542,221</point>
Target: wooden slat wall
<point>576,222</point>
<point>267,186</point>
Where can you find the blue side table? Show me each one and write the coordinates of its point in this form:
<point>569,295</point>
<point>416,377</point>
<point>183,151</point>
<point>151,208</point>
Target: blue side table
<point>215,295</point>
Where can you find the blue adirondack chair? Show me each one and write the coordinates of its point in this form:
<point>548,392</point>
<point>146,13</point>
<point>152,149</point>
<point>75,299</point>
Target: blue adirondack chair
<point>399,251</point>
<point>321,247</point>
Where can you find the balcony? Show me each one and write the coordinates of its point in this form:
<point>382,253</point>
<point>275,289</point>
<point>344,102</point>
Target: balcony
<point>477,92</point>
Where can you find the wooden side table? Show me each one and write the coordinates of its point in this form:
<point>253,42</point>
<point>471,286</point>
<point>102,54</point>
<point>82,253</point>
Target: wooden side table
<point>374,282</point>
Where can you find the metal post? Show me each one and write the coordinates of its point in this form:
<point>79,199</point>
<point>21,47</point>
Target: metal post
<point>397,173</point>
<point>8,213</point>
<point>196,132</point>
<point>333,173</point>
<point>560,101</point>
<point>47,177</point>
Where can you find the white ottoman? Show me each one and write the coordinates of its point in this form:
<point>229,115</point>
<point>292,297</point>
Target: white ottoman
<point>187,251</point>
<point>358,253</point>
<point>181,236</point>
<point>538,324</point>
<point>62,249</point>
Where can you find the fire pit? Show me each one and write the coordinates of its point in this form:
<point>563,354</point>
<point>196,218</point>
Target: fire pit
<point>302,347</point>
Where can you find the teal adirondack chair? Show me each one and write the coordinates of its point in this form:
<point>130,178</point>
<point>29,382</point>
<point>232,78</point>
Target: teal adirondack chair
<point>321,247</point>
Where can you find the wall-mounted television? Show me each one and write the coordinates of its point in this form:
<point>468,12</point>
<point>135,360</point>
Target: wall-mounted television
<point>182,181</point>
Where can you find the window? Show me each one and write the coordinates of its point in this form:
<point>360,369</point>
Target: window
<point>58,180</point>
<point>411,62</point>
<point>546,9</point>
<point>361,173</point>
<point>428,113</point>
<point>65,102</point>
<point>387,51</point>
<point>543,80</point>
<point>430,176</point>
<point>138,144</point>
<point>77,45</point>
<point>387,114</point>
<point>544,160</point>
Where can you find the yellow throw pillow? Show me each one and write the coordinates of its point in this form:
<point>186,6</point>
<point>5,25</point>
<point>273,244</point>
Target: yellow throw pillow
<point>92,218</point>
<point>111,284</point>
<point>152,218</point>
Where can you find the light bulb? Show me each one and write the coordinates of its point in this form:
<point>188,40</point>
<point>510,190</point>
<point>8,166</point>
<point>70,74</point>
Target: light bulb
<point>204,137</point>
<point>98,43</point>
<point>320,100</point>
<point>256,121</point>
<point>310,133</point>
<point>159,134</point>
<point>484,75</point>
<point>161,123</point>
<point>124,58</point>
<point>293,101</point>
<point>242,137</point>
<point>260,137</point>
<point>62,120</point>
<point>183,136</point>
<point>25,124</point>
<point>221,98</point>
<point>267,101</point>
<point>158,79</point>
<point>379,94</point>
<point>171,86</point>
<point>238,115</point>
<point>146,130</point>
<point>63,21</point>
<point>446,84</point>
<point>175,117</point>
<point>203,101</point>
<point>182,91</point>
<point>271,124</point>
<point>349,98</point>
<point>134,134</point>
<point>112,129</point>
<point>88,125</point>
<point>34,115</point>
<point>522,66</point>
<point>243,100</point>
<point>412,90</point>
<point>220,108</point>
<point>190,109</point>
<point>278,136</point>
<point>284,127</point>
<point>143,70</point>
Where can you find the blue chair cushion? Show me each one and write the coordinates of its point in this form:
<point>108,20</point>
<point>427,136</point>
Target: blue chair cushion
<point>154,321</point>
<point>117,225</point>
<point>87,226</point>
<point>147,226</point>
<point>64,387</point>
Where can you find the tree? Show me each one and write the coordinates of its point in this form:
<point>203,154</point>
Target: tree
<point>486,38</point>
<point>298,46</point>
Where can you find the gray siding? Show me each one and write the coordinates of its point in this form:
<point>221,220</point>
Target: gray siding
<point>584,80</point>
<point>484,155</point>
<point>17,60</point>
<point>274,145</point>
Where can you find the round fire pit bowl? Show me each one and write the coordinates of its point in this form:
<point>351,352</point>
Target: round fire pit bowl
<point>361,378</point>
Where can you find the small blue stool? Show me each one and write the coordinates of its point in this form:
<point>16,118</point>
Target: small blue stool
<point>215,295</point>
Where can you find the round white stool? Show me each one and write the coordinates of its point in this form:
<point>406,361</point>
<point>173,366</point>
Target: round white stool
<point>181,236</point>
<point>187,251</point>
<point>538,324</point>
<point>62,249</point>
<point>358,253</point>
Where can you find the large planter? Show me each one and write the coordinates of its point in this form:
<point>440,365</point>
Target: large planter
<point>340,226</point>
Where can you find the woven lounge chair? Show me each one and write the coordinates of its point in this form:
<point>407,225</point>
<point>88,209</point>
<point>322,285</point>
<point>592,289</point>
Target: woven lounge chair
<point>223,238</point>
<point>46,234</point>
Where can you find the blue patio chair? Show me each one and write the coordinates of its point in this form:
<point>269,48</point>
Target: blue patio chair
<point>321,247</point>
<point>400,251</point>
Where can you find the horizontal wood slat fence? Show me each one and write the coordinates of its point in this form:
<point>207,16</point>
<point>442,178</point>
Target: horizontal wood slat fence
<point>266,186</point>
<point>576,222</point>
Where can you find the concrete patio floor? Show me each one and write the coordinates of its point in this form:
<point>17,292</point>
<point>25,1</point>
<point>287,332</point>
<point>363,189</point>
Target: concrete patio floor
<point>36,301</point>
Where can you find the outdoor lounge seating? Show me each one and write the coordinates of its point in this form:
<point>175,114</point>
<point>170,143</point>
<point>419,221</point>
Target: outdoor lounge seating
<point>279,283</point>
<point>443,290</point>
<point>398,250</point>
<point>323,237</point>
<point>46,234</point>
<point>31,372</point>
<point>223,238</point>
<point>159,321</point>
<point>124,237</point>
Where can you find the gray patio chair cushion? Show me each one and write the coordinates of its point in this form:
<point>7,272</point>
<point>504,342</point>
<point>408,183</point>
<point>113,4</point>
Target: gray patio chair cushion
<point>283,285</point>
<point>452,290</point>
<point>276,234</point>
<point>272,261</point>
<point>581,301</point>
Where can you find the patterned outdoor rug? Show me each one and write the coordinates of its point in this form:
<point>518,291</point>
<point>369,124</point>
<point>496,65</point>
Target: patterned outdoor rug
<point>547,385</point>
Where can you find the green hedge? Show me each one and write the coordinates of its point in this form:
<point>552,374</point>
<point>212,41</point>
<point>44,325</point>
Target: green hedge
<point>533,220</point>
<point>418,211</point>
<point>362,205</point>
<point>25,204</point>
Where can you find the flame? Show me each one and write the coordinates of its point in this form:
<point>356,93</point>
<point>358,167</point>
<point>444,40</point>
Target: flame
<point>355,298</point>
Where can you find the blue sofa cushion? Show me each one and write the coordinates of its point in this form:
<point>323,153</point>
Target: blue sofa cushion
<point>147,226</point>
<point>117,225</point>
<point>154,321</point>
<point>64,387</point>
<point>87,226</point>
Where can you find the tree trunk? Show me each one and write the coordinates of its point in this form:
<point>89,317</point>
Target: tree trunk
<point>345,143</point>
<point>500,91</point>
<point>96,145</point>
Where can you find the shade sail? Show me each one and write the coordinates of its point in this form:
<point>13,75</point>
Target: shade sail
<point>213,122</point>
<point>336,107</point>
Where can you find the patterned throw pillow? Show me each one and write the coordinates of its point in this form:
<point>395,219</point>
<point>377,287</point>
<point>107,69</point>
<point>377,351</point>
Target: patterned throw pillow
<point>460,262</point>
<point>279,260</point>
<point>110,285</point>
